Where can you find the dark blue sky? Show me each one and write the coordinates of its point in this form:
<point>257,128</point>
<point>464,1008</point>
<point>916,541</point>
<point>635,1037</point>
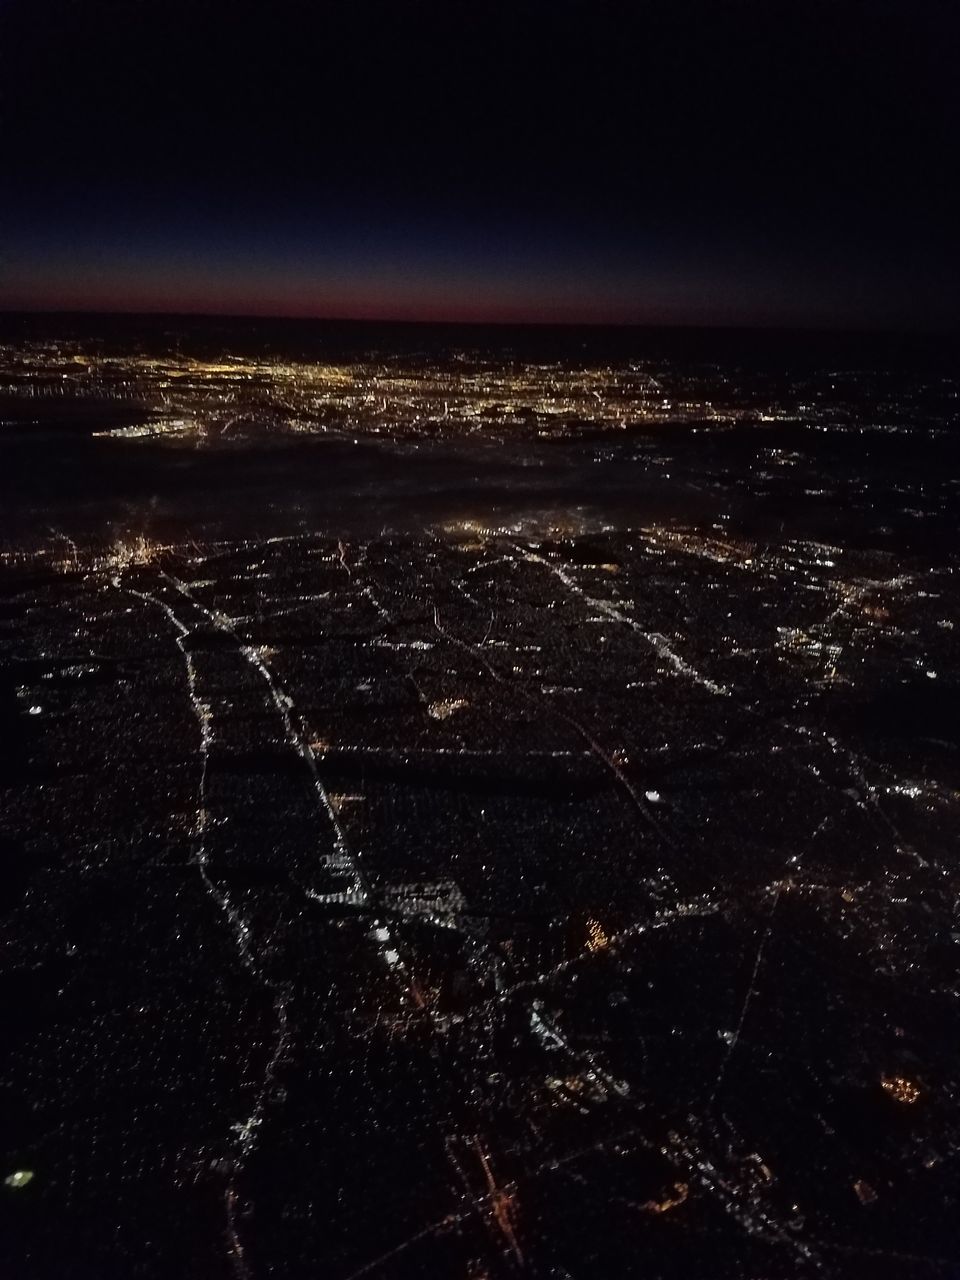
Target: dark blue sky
<point>583,160</point>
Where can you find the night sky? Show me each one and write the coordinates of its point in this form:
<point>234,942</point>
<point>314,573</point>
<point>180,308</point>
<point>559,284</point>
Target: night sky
<point>690,161</point>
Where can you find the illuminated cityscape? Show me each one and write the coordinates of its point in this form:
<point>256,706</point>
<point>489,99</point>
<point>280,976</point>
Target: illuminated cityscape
<point>552,875</point>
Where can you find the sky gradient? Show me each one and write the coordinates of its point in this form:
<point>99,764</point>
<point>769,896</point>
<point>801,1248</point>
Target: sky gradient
<point>696,164</point>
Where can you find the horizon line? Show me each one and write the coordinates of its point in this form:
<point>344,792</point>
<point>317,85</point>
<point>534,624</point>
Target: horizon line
<point>286,317</point>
